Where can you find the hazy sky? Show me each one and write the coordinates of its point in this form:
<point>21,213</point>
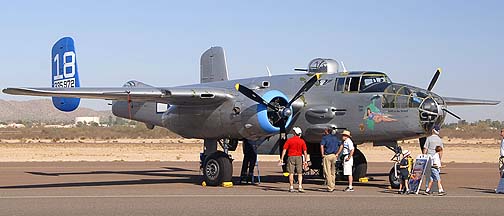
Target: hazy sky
<point>160,42</point>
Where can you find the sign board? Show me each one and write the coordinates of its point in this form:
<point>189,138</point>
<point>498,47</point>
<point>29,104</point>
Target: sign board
<point>418,173</point>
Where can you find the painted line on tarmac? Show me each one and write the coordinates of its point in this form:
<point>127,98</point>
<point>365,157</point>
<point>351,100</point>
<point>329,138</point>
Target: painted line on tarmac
<point>243,196</point>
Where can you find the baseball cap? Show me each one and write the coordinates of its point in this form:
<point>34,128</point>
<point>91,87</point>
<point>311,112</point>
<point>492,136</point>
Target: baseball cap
<point>406,153</point>
<point>297,130</point>
<point>436,129</point>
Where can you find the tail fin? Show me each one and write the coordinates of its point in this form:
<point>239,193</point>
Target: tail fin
<point>65,73</point>
<point>213,66</point>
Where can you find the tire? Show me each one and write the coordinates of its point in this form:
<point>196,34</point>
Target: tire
<point>394,182</point>
<point>359,166</point>
<point>217,169</point>
<point>359,169</point>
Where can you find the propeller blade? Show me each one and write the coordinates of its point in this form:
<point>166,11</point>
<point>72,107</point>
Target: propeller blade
<point>282,126</point>
<point>434,79</point>
<point>253,96</point>
<point>451,113</point>
<point>304,89</point>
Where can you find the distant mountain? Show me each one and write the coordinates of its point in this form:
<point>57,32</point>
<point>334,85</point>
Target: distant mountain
<point>44,111</point>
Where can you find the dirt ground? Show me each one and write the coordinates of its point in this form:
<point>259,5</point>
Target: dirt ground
<point>456,150</point>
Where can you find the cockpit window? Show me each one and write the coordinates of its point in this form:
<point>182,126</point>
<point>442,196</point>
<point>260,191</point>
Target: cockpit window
<point>368,80</point>
<point>352,84</point>
<point>404,96</point>
<point>340,84</point>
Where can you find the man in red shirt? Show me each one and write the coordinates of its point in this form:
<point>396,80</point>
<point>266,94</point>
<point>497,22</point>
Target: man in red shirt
<point>296,147</point>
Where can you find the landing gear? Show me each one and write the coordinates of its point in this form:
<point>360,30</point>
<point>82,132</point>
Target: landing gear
<point>394,174</point>
<point>217,166</point>
<point>359,166</point>
<point>394,180</point>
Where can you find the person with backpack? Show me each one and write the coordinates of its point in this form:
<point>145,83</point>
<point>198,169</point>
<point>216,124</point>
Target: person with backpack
<point>405,167</point>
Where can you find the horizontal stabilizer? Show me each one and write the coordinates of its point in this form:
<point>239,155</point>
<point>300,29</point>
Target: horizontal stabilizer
<point>174,96</point>
<point>451,101</point>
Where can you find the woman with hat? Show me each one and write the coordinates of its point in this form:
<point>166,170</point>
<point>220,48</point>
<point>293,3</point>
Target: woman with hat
<point>348,151</point>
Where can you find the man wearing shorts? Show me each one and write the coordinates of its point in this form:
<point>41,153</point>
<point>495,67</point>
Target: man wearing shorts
<point>348,150</point>
<point>295,147</point>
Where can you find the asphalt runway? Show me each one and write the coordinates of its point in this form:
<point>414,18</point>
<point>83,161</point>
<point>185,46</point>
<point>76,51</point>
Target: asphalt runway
<point>173,188</point>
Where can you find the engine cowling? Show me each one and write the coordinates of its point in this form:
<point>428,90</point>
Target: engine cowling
<point>263,121</point>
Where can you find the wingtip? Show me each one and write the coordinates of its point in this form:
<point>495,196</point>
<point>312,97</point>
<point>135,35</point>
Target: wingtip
<point>237,86</point>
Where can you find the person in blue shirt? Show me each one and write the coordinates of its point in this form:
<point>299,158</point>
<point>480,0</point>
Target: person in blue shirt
<point>329,147</point>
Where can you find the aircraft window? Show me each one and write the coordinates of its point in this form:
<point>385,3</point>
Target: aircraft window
<point>347,83</point>
<point>340,83</point>
<point>354,84</point>
<point>403,91</point>
<point>402,101</point>
<point>414,100</point>
<point>369,80</point>
<point>388,101</point>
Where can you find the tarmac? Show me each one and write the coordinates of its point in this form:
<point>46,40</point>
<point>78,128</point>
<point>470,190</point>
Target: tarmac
<point>174,188</point>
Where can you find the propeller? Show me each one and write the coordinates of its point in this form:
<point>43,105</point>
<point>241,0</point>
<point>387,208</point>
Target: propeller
<point>434,79</point>
<point>282,112</point>
<point>431,86</point>
<point>451,113</point>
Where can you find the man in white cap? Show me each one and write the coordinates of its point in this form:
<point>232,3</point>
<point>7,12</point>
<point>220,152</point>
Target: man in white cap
<point>295,147</point>
<point>348,150</point>
<point>433,141</point>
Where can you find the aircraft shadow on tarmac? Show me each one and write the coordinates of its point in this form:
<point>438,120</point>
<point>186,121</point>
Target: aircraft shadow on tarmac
<point>166,172</point>
<point>185,176</point>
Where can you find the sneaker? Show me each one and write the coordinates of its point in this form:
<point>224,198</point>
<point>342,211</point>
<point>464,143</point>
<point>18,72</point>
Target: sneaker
<point>428,193</point>
<point>400,192</point>
<point>441,193</point>
<point>301,190</point>
<point>330,190</point>
<point>348,189</point>
<point>291,190</point>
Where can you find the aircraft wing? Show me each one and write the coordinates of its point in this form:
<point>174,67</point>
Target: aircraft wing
<point>451,101</point>
<point>175,96</point>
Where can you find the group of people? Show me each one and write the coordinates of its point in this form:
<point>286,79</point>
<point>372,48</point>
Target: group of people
<point>433,148</point>
<point>331,148</point>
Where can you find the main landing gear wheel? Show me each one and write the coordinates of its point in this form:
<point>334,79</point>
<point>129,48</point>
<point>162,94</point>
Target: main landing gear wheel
<point>360,165</point>
<point>395,182</point>
<point>217,168</point>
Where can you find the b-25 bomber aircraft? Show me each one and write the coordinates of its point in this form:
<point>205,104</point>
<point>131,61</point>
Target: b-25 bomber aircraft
<point>222,111</point>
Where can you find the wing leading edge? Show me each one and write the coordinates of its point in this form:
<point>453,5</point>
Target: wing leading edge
<point>174,96</point>
<point>451,101</point>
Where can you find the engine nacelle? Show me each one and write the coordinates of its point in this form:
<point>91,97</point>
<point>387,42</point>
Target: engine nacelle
<point>263,121</point>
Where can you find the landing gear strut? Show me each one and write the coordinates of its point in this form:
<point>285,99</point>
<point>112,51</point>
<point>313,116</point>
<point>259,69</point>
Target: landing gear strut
<point>394,174</point>
<point>217,165</point>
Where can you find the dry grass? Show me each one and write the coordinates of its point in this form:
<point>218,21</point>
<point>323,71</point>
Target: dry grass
<point>86,132</point>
